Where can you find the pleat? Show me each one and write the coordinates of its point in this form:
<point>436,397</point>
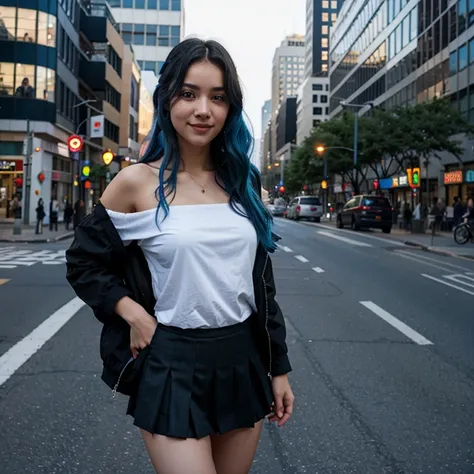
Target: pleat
<point>224,411</point>
<point>263,395</point>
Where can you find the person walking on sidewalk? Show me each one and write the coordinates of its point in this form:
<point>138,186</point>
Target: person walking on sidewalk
<point>208,351</point>
<point>68,213</point>
<point>53,214</point>
<point>40,215</point>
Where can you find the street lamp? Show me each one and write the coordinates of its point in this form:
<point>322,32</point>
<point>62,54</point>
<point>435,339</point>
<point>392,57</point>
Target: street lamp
<point>356,108</point>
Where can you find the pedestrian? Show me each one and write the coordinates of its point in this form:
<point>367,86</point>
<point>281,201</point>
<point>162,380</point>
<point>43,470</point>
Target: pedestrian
<point>458,211</point>
<point>40,215</point>
<point>68,213</point>
<point>407,216</point>
<point>211,357</point>
<point>79,212</point>
<point>15,207</point>
<point>53,214</point>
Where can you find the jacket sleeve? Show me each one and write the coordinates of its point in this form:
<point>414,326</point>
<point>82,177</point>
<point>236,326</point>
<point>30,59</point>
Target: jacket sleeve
<point>276,326</point>
<point>94,269</point>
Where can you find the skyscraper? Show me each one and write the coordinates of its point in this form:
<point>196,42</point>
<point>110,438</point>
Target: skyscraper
<point>153,27</point>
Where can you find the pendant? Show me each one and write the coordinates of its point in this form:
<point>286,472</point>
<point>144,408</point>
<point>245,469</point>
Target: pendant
<point>203,191</point>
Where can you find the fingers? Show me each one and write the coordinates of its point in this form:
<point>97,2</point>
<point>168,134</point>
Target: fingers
<point>283,408</point>
<point>134,352</point>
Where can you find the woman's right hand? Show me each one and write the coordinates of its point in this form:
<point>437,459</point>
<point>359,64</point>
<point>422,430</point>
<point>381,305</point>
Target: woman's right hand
<point>142,325</point>
<point>141,332</point>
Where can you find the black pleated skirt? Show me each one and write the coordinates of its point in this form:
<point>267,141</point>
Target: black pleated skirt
<point>197,382</point>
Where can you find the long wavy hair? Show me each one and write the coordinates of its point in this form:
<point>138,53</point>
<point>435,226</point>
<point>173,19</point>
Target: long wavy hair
<point>230,150</point>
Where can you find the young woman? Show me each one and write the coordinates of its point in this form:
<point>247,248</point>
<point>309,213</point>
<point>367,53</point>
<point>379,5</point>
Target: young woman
<point>216,360</point>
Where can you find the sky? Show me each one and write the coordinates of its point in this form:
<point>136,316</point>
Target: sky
<point>250,30</point>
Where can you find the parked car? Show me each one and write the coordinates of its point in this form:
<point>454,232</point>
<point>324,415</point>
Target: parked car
<point>366,212</point>
<point>279,207</point>
<point>305,207</point>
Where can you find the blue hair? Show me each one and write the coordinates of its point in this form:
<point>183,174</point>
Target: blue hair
<point>230,150</point>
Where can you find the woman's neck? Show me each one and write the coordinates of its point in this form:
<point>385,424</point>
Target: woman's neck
<point>195,159</point>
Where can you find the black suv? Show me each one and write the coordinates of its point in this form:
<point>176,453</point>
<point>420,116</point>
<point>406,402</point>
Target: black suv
<point>366,211</point>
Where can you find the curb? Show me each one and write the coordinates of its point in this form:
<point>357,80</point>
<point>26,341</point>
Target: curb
<point>13,240</point>
<point>435,250</point>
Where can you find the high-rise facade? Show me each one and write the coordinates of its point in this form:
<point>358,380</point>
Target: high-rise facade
<point>152,27</point>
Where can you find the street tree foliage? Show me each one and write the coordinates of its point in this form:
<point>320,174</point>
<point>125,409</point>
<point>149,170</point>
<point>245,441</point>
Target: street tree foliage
<point>389,142</point>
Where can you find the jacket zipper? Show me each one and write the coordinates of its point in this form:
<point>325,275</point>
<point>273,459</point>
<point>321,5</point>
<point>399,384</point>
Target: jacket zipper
<point>114,391</point>
<point>266,318</point>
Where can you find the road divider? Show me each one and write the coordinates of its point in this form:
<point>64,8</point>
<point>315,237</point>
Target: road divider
<point>17,355</point>
<point>301,258</point>
<point>396,323</point>
<point>357,243</point>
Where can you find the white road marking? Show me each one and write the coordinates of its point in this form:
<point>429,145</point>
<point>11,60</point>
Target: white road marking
<point>396,323</point>
<point>430,259</point>
<point>25,258</point>
<point>343,239</point>
<point>448,284</point>
<point>361,234</point>
<point>318,270</point>
<point>301,258</point>
<point>415,258</point>
<point>17,355</point>
<point>287,249</point>
<point>461,279</point>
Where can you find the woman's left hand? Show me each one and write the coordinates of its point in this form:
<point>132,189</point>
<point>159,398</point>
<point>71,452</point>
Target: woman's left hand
<point>283,400</point>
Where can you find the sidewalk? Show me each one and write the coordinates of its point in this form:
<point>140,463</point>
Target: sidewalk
<point>443,242</point>
<point>28,234</point>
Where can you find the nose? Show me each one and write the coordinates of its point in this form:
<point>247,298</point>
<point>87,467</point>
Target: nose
<point>202,109</point>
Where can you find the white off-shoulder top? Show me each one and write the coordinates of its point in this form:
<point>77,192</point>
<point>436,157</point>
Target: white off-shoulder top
<point>201,260</point>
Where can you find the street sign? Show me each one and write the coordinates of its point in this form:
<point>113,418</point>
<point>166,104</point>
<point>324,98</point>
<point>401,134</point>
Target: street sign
<point>75,143</point>
<point>75,156</point>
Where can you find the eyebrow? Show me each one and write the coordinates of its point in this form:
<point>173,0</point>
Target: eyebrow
<point>196,88</point>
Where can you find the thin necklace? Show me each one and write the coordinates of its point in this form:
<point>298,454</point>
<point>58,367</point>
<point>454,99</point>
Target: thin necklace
<point>191,176</point>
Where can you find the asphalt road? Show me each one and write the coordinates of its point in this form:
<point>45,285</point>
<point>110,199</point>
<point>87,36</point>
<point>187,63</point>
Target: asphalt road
<point>380,337</point>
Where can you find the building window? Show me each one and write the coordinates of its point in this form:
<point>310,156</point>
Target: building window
<point>139,34</point>
<point>471,52</point>
<point>317,111</point>
<point>325,4</point>
<point>325,30</point>
<point>317,87</point>
<point>333,17</point>
<point>151,35</point>
<point>316,123</point>
<point>45,83</point>
<point>25,80</point>
<point>453,63</point>
<point>324,42</point>
<point>26,27</point>
<point>324,99</point>
<point>112,96</point>
<point>315,99</point>
<point>7,18</point>
<point>111,131</point>
<point>174,5</point>
<point>152,4</point>
<point>6,79</point>
<point>334,4</point>
<point>127,29</point>
<point>168,35</point>
<point>325,17</point>
<point>114,60</point>
<point>140,4</point>
<point>463,57</point>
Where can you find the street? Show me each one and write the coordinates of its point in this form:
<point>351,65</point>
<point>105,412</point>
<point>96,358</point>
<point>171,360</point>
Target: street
<point>380,338</point>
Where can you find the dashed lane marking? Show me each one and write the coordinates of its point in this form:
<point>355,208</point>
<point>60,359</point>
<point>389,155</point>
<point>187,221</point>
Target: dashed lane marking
<point>284,248</point>
<point>396,323</point>
<point>318,270</point>
<point>343,239</point>
<point>301,258</point>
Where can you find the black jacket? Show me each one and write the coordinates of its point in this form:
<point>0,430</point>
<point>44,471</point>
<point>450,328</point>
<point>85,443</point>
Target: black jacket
<point>102,270</point>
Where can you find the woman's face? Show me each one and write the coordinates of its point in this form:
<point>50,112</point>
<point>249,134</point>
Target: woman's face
<point>199,112</point>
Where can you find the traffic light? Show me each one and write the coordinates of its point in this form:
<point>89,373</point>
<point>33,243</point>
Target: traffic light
<point>413,177</point>
<point>85,170</point>
<point>107,157</point>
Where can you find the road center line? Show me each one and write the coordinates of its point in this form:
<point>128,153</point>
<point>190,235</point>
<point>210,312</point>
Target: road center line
<point>343,239</point>
<point>448,284</point>
<point>396,323</point>
<point>318,270</point>
<point>17,355</point>
<point>301,258</point>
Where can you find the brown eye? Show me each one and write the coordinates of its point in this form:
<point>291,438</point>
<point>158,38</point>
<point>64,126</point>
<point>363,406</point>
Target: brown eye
<point>186,95</point>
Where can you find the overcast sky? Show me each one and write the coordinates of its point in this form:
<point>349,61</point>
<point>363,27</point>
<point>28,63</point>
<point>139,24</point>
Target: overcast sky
<point>250,30</point>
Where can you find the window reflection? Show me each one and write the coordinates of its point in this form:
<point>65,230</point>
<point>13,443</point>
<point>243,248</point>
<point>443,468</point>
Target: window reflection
<point>7,23</point>
<point>45,83</point>
<point>26,27</point>
<point>25,80</point>
<point>6,79</point>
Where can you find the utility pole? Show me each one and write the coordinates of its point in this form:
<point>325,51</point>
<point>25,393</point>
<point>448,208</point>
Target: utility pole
<point>27,174</point>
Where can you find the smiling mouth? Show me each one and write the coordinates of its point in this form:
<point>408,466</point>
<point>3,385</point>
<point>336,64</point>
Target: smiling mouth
<point>200,127</point>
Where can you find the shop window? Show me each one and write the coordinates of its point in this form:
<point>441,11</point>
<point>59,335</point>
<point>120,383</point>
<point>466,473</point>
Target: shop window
<point>46,29</point>
<point>25,81</point>
<point>45,80</point>
<point>26,27</point>
<point>7,20</point>
<point>6,79</point>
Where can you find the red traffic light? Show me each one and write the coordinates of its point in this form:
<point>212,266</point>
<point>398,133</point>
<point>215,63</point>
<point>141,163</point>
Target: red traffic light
<point>75,143</point>
<point>87,184</point>
<point>282,189</point>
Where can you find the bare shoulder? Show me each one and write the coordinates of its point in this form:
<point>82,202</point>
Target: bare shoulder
<point>120,195</point>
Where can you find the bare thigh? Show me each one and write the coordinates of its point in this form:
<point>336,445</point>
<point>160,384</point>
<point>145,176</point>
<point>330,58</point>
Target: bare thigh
<point>233,452</point>
<point>179,456</point>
